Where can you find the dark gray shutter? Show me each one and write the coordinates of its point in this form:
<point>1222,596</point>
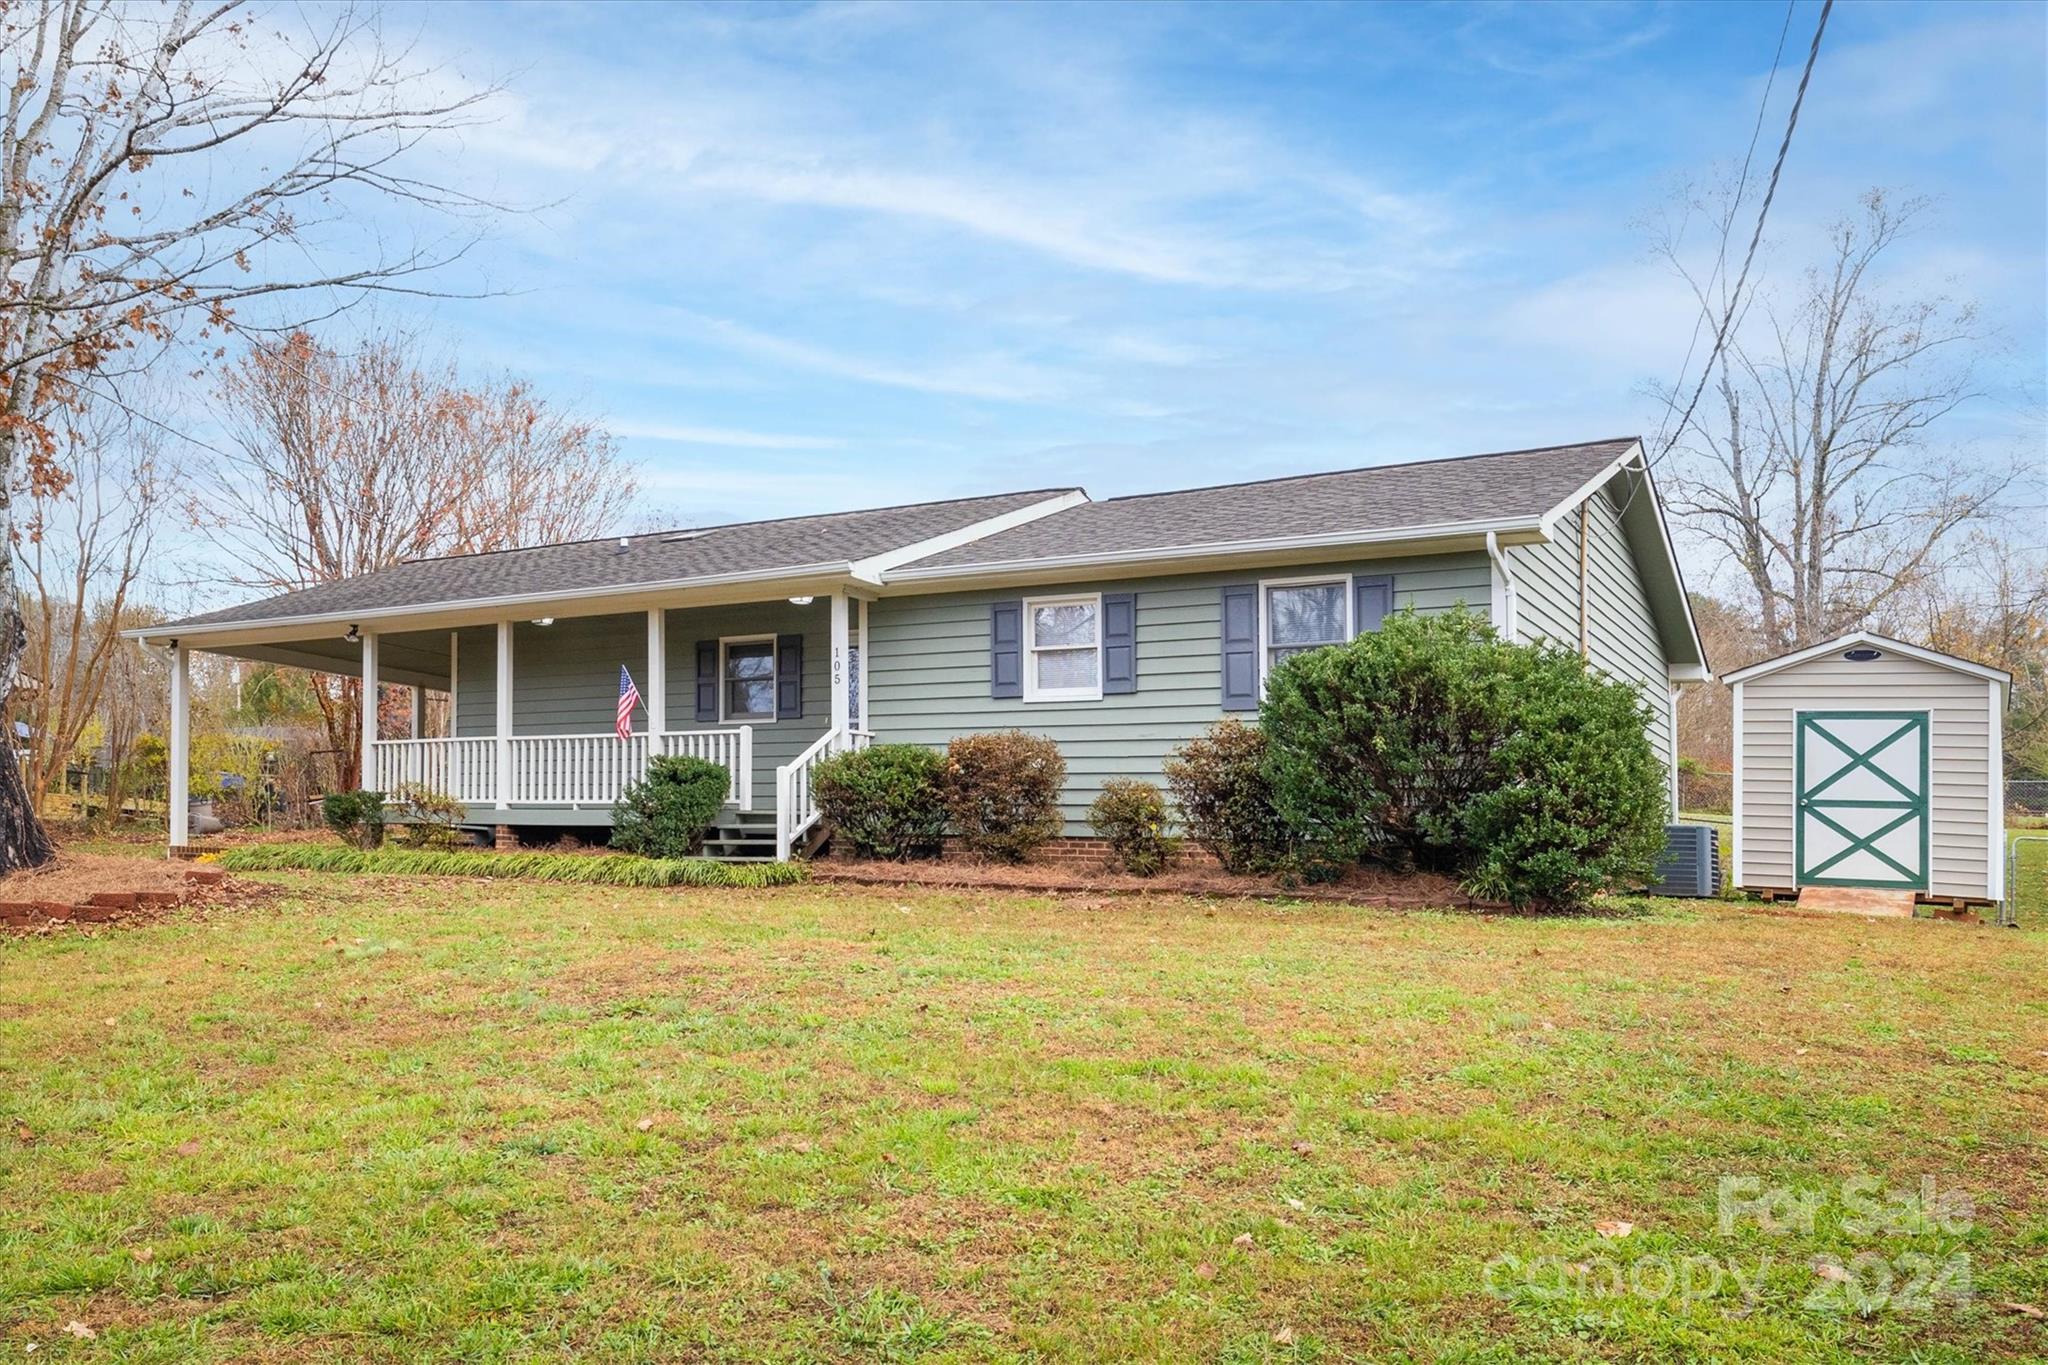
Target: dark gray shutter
<point>707,682</point>
<point>1119,642</point>
<point>1372,598</point>
<point>789,677</point>
<point>1005,650</point>
<point>1241,647</point>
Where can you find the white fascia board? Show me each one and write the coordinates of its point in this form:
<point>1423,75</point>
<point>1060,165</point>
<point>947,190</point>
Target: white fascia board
<point>626,596</point>
<point>1522,529</point>
<point>1589,488</point>
<point>874,567</point>
<point>1864,637</point>
<point>1689,673</point>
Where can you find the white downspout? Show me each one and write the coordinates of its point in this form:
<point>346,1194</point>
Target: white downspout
<point>1506,617</point>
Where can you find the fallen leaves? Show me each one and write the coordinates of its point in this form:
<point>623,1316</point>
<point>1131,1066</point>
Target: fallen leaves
<point>141,1255</point>
<point>1304,1148</point>
<point>1206,1271</point>
<point>1614,1227</point>
<point>1284,1337</point>
<point>2025,1310</point>
<point>1828,1270</point>
<point>24,1134</point>
<point>644,1124</point>
<point>189,1147</point>
<point>1244,1241</point>
<point>75,1328</point>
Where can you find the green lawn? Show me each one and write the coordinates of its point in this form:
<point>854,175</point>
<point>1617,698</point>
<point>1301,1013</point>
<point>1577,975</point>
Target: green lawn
<point>451,1120</point>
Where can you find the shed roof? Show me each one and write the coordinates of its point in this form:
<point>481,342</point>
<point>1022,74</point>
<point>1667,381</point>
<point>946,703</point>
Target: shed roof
<point>1868,639</point>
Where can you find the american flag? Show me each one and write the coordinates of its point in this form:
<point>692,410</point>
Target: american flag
<point>629,697</point>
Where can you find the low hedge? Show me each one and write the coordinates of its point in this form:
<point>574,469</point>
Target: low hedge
<point>598,869</point>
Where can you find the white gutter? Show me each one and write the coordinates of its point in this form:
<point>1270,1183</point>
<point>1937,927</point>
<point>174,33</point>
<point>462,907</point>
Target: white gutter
<point>1505,613</point>
<point>363,615</point>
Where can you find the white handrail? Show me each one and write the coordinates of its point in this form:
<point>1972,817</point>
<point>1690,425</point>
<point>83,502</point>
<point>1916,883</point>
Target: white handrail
<point>796,809</point>
<point>556,770</point>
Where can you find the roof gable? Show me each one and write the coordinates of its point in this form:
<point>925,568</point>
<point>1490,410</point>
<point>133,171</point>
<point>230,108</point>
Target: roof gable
<point>1873,640</point>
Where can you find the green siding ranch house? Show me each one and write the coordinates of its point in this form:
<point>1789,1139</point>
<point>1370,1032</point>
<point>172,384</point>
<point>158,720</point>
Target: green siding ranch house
<point>1121,628</point>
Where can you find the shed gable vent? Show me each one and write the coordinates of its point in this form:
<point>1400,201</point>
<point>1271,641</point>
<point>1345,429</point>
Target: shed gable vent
<point>1862,655</point>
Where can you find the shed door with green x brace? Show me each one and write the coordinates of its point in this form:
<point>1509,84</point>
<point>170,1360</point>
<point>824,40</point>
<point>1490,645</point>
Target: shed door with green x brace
<point>1862,798</point>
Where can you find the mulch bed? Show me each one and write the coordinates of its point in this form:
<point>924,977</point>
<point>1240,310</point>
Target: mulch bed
<point>1363,886</point>
<point>95,889</point>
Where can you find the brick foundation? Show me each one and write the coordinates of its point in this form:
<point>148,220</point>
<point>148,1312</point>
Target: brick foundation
<point>505,839</point>
<point>1089,851</point>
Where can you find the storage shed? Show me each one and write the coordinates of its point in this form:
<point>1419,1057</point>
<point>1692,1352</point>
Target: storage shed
<point>1870,762</point>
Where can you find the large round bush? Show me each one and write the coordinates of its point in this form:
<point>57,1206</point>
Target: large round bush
<point>1003,792</point>
<point>1219,781</point>
<point>665,813</point>
<point>884,800</point>
<point>1431,742</point>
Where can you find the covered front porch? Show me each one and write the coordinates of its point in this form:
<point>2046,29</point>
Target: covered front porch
<point>764,689</point>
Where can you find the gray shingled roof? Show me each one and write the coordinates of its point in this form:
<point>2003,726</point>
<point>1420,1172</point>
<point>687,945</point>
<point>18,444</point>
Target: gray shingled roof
<point>1376,501</point>
<point>753,547</point>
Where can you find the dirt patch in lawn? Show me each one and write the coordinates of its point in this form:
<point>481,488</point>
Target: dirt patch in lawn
<point>1360,886</point>
<point>98,888</point>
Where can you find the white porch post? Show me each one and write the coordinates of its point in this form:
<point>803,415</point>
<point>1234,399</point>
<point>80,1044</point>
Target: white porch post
<point>867,609</point>
<point>370,708</point>
<point>656,692</point>
<point>842,706</point>
<point>181,747</point>
<point>504,728</point>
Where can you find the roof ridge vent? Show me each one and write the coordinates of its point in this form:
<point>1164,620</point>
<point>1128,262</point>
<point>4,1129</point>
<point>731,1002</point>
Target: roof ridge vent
<point>676,537</point>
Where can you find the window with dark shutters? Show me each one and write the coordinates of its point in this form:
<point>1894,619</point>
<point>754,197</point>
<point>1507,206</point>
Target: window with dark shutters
<point>1006,650</point>
<point>1240,662</point>
<point>1119,643</point>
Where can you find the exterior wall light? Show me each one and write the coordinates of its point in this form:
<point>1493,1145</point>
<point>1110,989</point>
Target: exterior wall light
<point>804,601</point>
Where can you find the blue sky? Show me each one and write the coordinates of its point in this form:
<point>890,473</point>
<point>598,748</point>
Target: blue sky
<point>812,257</point>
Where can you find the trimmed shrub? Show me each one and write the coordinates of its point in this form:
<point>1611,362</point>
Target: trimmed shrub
<point>1578,801</point>
<point>1132,816</point>
<point>665,813</point>
<point>431,819</point>
<point>1433,743</point>
<point>884,800</point>
<point>594,869</point>
<point>1219,782</point>
<point>357,817</point>
<point>1002,792</point>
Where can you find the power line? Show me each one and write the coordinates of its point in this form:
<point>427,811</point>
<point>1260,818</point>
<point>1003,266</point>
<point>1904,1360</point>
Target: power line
<point>1763,107</point>
<point>1756,237</point>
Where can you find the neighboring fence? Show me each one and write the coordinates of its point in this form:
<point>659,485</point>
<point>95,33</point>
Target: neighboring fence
<point>1702,791</point>
<point>2027,795</point>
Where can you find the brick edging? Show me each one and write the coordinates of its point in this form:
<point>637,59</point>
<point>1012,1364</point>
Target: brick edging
<point>823,871</point>
<point>103,907</point>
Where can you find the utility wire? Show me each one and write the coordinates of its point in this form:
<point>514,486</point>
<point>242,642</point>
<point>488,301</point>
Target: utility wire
<point>1763,107</point>
<point>1763,212</point>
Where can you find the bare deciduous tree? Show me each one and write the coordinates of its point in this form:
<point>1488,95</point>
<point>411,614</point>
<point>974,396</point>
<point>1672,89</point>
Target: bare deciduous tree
<point>159,165</point>
<point>1809,466</point>
<point>345,463</point>
<point>84,548</point>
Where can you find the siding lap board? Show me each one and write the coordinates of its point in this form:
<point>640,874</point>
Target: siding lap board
<point>928,667</point>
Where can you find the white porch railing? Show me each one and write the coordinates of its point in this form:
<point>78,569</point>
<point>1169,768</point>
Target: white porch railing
<point>556,770</point>
<point>466,769</point>
<point>795,809</point>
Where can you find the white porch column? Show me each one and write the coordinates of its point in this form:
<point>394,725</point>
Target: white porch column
<point>867,609</point>
<point>656,691</point>
<point>842,707</point>
<point>370,708</point>
<point>181,747</point>
<point>504,728</point>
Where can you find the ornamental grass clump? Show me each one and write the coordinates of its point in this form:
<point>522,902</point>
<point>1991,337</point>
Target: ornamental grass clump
<point>595,869</point>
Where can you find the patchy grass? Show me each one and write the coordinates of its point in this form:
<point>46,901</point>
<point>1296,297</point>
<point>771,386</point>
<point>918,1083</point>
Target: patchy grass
<point>455,1120</point>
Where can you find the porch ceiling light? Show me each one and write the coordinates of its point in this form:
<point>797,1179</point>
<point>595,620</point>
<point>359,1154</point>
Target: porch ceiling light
<point>354,634</point>
<point>544,620</point>
<point>803,601</point>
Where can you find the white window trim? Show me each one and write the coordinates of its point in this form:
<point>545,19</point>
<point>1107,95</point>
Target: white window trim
<point>1028,634</point>
<point>1266,617</point>
<point>725,717</point>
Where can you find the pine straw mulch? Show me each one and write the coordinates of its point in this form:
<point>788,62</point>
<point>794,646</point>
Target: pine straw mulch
<point>1376,887</point>
<point>100,888</point>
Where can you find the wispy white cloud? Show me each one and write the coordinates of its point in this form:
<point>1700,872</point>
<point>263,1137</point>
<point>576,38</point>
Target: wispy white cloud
<point>733,437</point>
<point>991,376</point>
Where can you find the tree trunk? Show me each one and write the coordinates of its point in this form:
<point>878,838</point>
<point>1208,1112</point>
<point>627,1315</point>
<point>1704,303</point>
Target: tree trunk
<point>23,840</point>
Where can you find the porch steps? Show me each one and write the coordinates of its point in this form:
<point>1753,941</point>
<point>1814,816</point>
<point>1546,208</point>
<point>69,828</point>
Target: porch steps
<point>742,836</point>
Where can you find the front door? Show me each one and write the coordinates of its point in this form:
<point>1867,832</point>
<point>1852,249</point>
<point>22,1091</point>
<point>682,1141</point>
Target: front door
<point>1862,784</point>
